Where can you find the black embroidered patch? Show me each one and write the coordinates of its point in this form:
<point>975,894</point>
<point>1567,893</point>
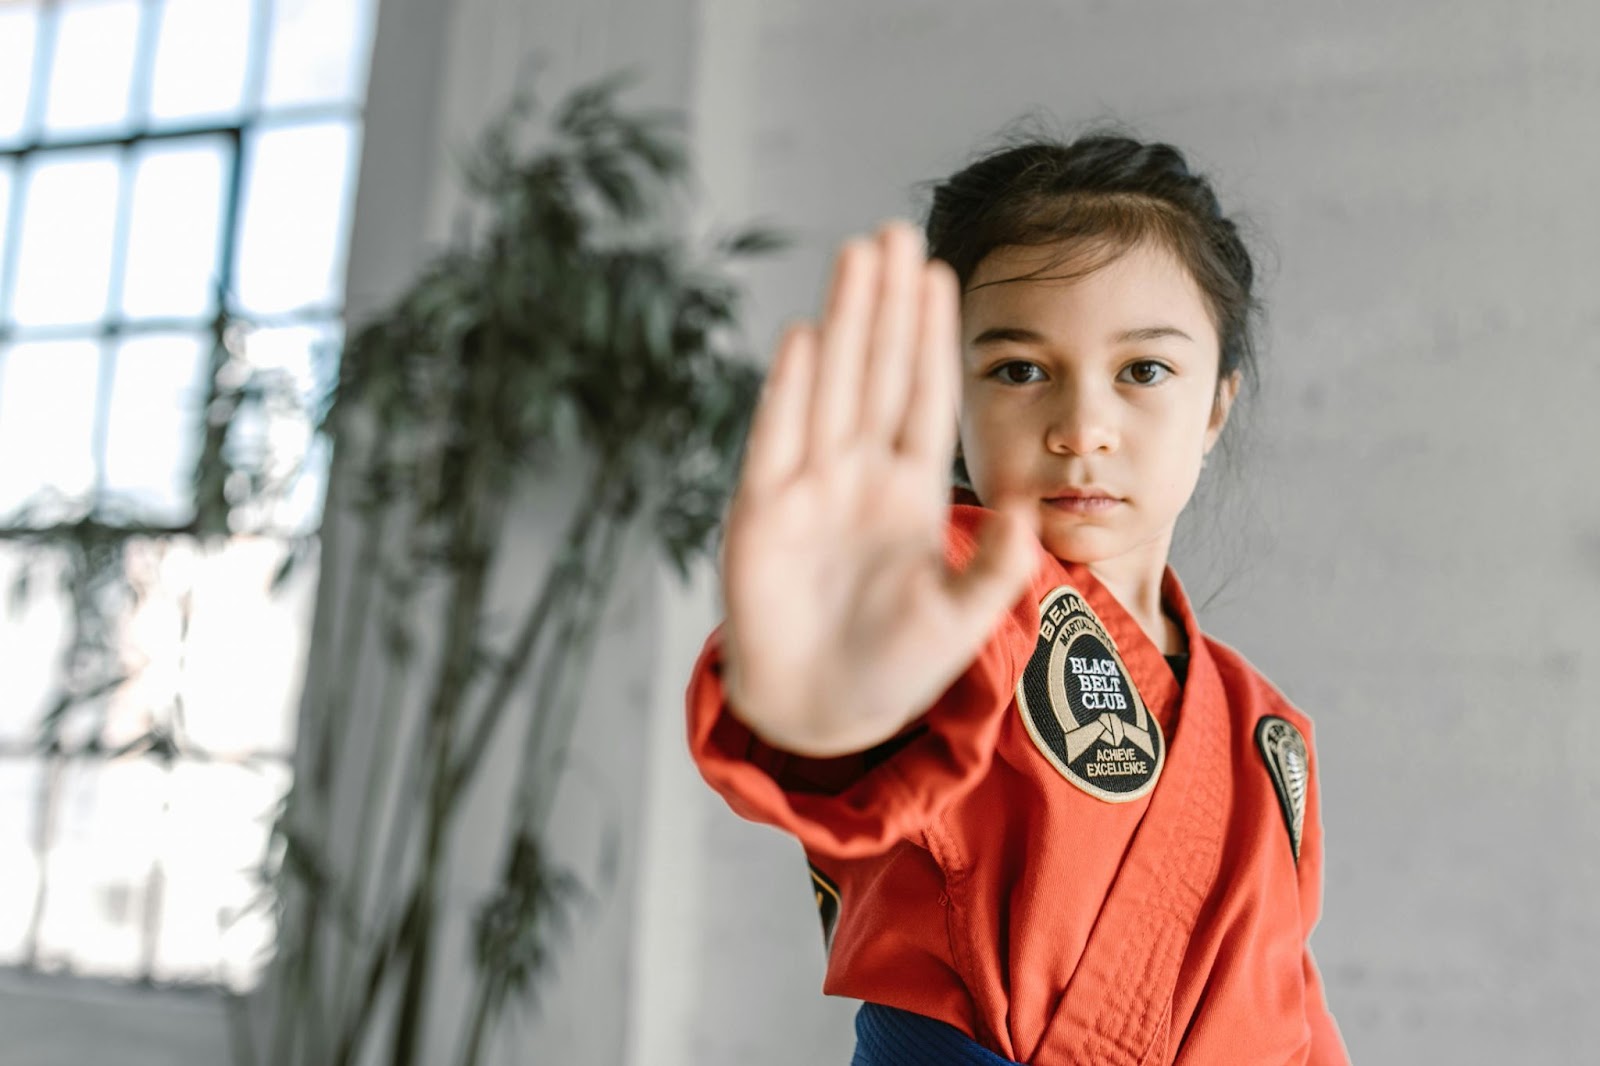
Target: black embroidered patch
<point>1284,751</point>
<point>1081,708</point>
<point>827,895</point>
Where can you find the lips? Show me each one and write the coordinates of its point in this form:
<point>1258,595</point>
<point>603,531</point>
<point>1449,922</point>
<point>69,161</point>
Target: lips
<point>1090,492</point>
<point>1086,500</point>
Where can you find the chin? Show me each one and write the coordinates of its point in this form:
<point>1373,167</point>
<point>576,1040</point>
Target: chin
<point>1084,546</point>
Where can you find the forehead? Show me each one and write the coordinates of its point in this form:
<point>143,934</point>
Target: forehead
<point>1057,290</point>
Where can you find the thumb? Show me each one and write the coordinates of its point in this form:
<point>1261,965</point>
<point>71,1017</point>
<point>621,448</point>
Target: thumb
<point>1007,556</point>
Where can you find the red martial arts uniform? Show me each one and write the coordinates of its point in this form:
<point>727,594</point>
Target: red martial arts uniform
<point>1070,857</point>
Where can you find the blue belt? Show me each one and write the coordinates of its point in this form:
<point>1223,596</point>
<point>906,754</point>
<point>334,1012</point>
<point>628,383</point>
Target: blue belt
<point>887,1036</point>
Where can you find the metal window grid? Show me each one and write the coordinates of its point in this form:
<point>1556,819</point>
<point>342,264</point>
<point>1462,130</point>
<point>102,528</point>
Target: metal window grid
<point>37,144</point>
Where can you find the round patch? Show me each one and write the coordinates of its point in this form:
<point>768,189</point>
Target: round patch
<point>1081,708</point>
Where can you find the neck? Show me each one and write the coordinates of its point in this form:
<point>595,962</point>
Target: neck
<point>1135,580</point>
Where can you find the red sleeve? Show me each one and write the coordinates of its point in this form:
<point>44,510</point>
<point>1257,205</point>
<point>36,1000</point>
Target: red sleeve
<point>862,804</point>
<point>1327,1046</point>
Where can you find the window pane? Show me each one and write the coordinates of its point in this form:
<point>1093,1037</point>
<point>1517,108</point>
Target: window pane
<point>18,23</point>
<point>64,266</point>
<point>30,644</point>
<point>173,242</point>
<point>319,51</point>
<point>200,59</point>
<point>246,649</point>
<point>19,790</point>
<point>296,195</point>
<point>302,363</point>
<point>156,393</point>
<point>108,824</point>
<point>301,511</point>
<point>5,220</point>
<point>47,400</point>
<point>218,828</point>
<point>92,70</point>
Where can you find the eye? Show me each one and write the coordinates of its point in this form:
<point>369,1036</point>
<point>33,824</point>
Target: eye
<point>1017,372</point>
<point>1145,372</point>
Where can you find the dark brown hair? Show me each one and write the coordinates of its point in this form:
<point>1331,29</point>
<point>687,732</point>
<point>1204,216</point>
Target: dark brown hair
<point>1099,196</point>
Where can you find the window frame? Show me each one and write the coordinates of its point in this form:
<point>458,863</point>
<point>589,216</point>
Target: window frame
<point>236,133</point>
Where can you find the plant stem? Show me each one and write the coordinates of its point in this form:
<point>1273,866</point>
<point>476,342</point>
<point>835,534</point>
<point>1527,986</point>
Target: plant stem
<point>319,714</point>
<point>409,770</point>
<point>568,658</point>
<point>558,701</point>
<point>381,772</point>
<point>482,997</point>
<point>563,574</point>
<point>476,533</point>
<point>399,828</point>
<point>352,645</point>
<point>392,944</point>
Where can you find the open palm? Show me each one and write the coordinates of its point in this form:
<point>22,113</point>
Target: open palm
<point>843,620</point>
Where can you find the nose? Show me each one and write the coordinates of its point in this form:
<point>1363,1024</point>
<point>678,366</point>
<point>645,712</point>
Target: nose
<point>1084,423</point>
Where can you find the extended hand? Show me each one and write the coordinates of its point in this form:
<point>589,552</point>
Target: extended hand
<point>843,620</point>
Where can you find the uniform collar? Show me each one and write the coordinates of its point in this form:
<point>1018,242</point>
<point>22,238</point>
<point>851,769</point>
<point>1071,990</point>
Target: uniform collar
<point>1115,1012</point>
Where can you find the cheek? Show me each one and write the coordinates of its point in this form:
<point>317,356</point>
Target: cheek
<point>974,432</point>
<point>1180,454</point>
<point>987,433</point>
<point>990,460</point>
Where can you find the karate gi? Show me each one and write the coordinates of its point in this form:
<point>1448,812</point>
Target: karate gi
<point>983,869</point>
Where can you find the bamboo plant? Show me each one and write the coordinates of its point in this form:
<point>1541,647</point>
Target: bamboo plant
<point>574,324</point>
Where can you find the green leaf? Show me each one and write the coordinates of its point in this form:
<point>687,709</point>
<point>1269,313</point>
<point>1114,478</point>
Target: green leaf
<point>657,142</point>
<point>592,102</point>
<point>287,567</point>
<point>615,184</point>
<point>754,240</point>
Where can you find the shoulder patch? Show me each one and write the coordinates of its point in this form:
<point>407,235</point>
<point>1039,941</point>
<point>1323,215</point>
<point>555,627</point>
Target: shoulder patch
<point>1284,751</point>
<point>1081,708</point>
<point>827,896</point>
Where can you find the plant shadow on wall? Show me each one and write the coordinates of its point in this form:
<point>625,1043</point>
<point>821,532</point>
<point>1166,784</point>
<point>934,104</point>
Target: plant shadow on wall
<point>572,326</point>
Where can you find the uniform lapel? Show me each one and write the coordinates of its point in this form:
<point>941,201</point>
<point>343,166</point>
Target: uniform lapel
<point>1118,1002</point>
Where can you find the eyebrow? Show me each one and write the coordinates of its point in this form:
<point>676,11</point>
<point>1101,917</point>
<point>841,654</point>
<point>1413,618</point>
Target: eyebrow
<point>1152,333</point>
<point>1005,335</point>
<point>1019,335</point>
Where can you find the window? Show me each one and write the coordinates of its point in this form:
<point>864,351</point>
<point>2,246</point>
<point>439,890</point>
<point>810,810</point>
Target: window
<point>162,162</point>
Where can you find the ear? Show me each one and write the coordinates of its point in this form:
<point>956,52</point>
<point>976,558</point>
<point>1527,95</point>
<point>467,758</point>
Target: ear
<point>1221,404</point>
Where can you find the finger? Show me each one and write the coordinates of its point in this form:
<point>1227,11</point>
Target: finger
<point>887,379</point>
<point>835,405</point>
<point>929,431</point>
<point>999,573</point>
<point>776,446</point>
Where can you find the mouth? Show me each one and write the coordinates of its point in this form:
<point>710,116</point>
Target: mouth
<point>1083,501</point>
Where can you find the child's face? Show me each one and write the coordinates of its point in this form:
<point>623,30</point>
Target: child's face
<point>1065,407</point>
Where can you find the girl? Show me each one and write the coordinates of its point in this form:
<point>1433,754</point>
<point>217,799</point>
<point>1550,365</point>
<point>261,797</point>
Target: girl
<point>1049,820</point>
